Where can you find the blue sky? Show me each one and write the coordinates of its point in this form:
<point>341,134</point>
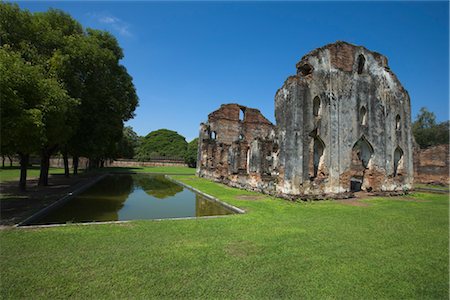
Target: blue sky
<point>187,58</point>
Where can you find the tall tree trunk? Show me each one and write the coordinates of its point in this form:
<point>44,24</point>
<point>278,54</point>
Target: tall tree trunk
<point>45,165</point>
<point>102,163</point>
<point>66,164</point>
<point>75,160</point>
<point>10,160</point>
<point>3,161</point>
<point>24,160</point>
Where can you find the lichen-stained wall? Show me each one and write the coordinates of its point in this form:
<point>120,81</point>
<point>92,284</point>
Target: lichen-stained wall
<point>342,124</point>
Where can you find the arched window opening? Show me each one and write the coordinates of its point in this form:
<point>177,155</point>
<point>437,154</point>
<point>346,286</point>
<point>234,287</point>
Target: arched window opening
<point>398,155</point>
<point>316,106</point>
<point>361,62</point>
<point>213,135</point>
<point>397,122</point>
<point>241,137</point>
<point>364,151</point>
<point>241,114</point>
<point>248,161</point>
<point>363,116</point>
<point>318,149</point>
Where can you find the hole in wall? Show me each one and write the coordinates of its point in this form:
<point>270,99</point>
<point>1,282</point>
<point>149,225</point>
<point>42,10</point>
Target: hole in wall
<point>241,114</point>
<point>361,62</point>
<point>363,116</point>
<point>305,69</point>
<point>364,151</point>
<point>397,122</point>
<point>316,106</point>
<point>398,155</point>
<point>318,150</point>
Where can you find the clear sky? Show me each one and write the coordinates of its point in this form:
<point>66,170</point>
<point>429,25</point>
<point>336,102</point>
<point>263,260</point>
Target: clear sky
<point>187,58</point>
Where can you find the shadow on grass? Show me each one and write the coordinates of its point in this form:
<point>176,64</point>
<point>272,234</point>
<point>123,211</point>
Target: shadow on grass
<point>18,168</point>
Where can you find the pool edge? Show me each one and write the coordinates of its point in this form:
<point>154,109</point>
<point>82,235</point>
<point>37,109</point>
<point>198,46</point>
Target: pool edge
<point>212,198</point>
<point>44,211</point>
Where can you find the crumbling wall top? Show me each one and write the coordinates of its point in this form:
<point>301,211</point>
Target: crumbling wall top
<point>236,112</point>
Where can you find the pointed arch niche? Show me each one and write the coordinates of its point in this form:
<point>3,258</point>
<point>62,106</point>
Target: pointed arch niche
<point>398,160</point>
<point>316,106</point>
<point>363,115</point>
<point>362,152</point>
<point>318,148</point>
<point>361,62</point>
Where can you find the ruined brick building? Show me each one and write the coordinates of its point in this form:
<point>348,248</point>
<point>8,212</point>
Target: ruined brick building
<point>342,125</point>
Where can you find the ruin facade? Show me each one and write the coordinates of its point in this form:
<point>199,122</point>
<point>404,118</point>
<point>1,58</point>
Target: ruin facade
<point>343,124</point>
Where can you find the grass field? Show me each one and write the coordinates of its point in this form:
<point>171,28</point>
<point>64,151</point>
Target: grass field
<point>393,248</point>
<point>13,173</point>
<point>431,186</point>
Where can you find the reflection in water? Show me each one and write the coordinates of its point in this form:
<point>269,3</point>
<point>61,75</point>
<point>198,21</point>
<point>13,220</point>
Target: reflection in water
<point>133,197</point>
<point>158,186</point>
<point>205,207</point>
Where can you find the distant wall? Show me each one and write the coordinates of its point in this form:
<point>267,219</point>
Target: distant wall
<point>155,163</point>
<point>432,165</point>
<point>57,162</point>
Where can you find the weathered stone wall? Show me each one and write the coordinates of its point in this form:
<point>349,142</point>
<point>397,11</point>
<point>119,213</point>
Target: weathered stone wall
<point>233,146</point>
<point>343,97</point>
<point>431,165</point>
<point>342,124</point>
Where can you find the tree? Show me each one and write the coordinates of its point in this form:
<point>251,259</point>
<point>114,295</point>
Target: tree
<point>22,124</point>
<point>191,153</point>
<point>162,142</point>
<point>63,88</point>
<point>426,132</point>
<point>89,66</point>
<point>128,143</point>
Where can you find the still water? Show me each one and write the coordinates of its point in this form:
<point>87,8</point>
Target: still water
<point>134,197</point>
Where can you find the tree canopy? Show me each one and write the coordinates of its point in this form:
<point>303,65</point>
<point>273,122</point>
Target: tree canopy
<point>429,133</point>
<point>162,142</point>
<point>191,153</point>
<point>62,87</point>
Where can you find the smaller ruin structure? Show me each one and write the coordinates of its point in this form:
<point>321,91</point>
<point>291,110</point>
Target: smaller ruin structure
<point>343,124</point>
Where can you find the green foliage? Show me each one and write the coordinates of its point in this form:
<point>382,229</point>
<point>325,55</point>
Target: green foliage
<point>159,186</point>
<point>34,108</point>
<point>427,132</point>
<point>162,142</point>
<point>191,153</point>
<point>128,144</point>
<point>63,87</point>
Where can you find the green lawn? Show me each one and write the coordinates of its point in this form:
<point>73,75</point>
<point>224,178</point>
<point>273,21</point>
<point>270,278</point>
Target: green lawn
<point>279,249</point>
<point>431,186</point>
<point>13,173</point>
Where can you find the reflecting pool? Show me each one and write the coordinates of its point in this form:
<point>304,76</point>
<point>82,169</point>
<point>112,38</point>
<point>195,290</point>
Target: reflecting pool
<point>134,197</point>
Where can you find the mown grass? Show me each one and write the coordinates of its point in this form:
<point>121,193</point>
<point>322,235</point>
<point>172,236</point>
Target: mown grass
<point>279,249</point>
<point>13,173</point>
<point>432,186</point>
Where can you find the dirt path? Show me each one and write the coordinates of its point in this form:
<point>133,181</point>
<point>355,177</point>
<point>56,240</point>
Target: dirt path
<point>16,206</point>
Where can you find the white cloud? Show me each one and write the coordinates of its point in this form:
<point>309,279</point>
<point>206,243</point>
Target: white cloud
<point>114,23</point>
